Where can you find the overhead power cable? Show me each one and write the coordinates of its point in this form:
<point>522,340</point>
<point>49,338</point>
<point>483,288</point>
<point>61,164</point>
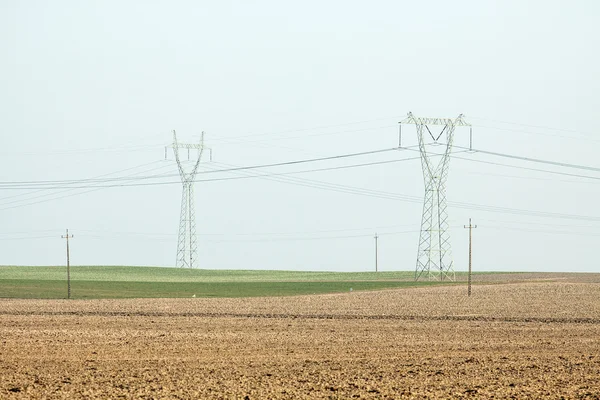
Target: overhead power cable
<point>528,223</point>
<point>230,170</point>
<point>394,118</point>
<point>297,233</point>
<point>5,185</point>
<point>547,128</point>
<point>473,151</point>
<point>418,199</point>
<point>52,196</point>
<point>310,135</point>
<point>128,147</point>
<point>27,237</point>
<point>551,232</point>
<point>130,179</point>
<point>527,168</point>
<point>536,160</point>
<point>54,183</point>
<point>527,177</point>
<point>62,189</point>
<point>91,179</point>
<point>546,134</point>
<point>352,190</point>
<point>273,239</point>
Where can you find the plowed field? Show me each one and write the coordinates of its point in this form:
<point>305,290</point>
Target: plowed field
<point>509,340</point>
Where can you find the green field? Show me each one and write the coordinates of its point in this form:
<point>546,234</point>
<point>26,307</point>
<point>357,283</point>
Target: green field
<point>93,282</point>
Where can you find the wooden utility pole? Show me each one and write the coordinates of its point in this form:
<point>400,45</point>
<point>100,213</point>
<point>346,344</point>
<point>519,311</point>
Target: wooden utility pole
<point>376,251</point>
<point>68,265</point>
<point>470,227</point>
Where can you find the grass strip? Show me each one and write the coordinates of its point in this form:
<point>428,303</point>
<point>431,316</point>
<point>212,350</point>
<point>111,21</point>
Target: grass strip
<point>57,289</point>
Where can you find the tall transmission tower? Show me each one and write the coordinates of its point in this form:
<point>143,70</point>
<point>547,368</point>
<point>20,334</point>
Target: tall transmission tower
<point>187,250</point>
<point>434,256</point>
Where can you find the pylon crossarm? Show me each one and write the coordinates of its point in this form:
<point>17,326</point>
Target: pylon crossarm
<point>411,119</point>
<point>460,121</point>
<point>187,176</point>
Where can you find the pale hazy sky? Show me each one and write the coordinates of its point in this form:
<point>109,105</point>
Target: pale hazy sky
<point>92,88</point>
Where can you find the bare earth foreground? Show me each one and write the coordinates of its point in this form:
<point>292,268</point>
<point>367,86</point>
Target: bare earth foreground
<point>509,340</point>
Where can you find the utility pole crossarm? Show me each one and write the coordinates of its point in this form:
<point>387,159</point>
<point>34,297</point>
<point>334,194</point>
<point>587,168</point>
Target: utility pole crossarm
<point>470,226</point>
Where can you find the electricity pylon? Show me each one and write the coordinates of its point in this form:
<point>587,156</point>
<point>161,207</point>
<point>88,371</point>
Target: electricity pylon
<point>434,256</point>
<point>187,251</point>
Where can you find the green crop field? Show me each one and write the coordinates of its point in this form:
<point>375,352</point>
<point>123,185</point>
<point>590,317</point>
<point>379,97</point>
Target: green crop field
<point>89,282</point>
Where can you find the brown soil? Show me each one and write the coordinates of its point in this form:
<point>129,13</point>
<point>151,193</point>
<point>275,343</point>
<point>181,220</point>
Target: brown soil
<point>517,340</point>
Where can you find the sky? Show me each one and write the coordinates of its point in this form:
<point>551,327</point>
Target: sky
<point>93,90</point>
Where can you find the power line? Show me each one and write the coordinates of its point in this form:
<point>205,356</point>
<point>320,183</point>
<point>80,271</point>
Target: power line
<point>369,193</point>
<point>316,134</point>
<point>21,184</point>
<point>347,189</point>
<point>536,160</point>
<point>517,211</point>
<point>320,231</point>
<point>279,164</point>
<point>302,235</point>
<point>542,224</point>
<point>90,180</point>
<point>415,199</point>
<point>235,169</point>
<point>276,239</point>
<point>309,160</point>
<point>310,238</point>
<point>553,232</point>
<point>335,187</point>
<point>128,146</point>
<point>114,149</point>
<point>66,189</point>
<point>534,126</point>
<point>530,159</point>
<point>26,237</point>
<point>527,168</point>
<point>549,179</point>
<point>313,128</point>
<point>537,133</point>
<point>467,150</point>
<point>253,175</point>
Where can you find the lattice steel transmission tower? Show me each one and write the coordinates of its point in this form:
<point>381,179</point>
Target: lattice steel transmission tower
<point>187,251</point>
<point>434,256</point>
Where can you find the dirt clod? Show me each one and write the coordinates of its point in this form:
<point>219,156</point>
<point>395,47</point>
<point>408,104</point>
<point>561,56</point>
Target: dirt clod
<point>531,340</point>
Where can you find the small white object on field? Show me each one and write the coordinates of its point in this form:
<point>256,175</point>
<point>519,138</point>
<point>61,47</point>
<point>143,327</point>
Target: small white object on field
<point>350,289</point>
<point>194,296</point>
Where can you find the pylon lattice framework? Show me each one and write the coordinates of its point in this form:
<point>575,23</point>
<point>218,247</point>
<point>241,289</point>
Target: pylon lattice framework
<point>434,256</point>
<point>187,250</point>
